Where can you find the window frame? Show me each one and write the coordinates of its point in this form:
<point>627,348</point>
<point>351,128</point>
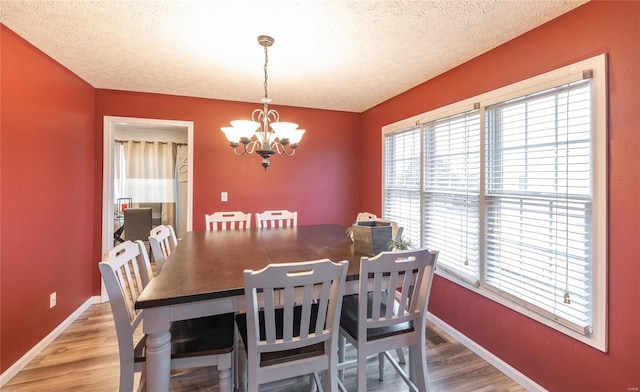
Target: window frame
<point>597,66</point>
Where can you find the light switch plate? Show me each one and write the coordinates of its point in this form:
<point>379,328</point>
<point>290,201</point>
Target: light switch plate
<point>52,300</point>
<point>223,196</point>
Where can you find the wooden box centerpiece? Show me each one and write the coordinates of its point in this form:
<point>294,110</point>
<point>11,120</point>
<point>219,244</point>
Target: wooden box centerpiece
<point>372,237</point>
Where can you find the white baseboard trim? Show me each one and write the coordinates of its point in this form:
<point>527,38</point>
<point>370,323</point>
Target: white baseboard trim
<point>35,350</point>
<point>483,353</point>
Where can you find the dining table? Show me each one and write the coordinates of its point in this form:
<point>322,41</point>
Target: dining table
<point>204,276</point>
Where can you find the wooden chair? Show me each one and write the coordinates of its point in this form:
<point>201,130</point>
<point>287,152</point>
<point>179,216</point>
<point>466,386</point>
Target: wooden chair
<point>297,335</point>
<point>206,341</point>
<point>277,218</point>
<point>162,240</point>
<point>375,320</point>
<point>228,220</point>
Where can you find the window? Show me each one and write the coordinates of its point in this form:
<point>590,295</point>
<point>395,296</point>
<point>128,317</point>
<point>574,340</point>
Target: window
<point>510,187</point>
<point>402,182</point>
<point>538,201</point>
<point>451,190</point>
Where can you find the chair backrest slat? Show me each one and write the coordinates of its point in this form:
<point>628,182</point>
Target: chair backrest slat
<point>228,220</point>
<point>269,315</point>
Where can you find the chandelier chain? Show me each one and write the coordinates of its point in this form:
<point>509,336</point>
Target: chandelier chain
<point>266,60</point>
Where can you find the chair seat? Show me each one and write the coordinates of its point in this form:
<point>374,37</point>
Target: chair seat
<point>349,320</point>
<point>272,358</point>
<point>211,335</point>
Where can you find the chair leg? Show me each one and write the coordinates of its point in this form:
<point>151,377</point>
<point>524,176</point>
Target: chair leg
<point>316,384</point>
<point>330,377</point>
<point>362,370</point>
<point>126,376</point>
<point>142,386</point>
<point>381,366</point>
<point>341,348</point>
<point>252,373</point>
<point>401,358</point>
<point>418,366</point>
<point>236,368</point>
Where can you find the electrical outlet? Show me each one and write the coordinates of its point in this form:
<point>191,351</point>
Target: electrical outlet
<point>223,196</point>
<point>52,300</point>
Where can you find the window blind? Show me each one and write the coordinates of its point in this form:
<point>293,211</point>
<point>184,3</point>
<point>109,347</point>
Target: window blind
<point>401,196</point>
<point>513,195</point>
<point>538,201</point>
<point>452,192</point>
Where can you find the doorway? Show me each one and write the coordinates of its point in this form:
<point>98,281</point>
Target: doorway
<point>145,128</point>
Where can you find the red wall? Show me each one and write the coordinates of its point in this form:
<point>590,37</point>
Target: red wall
<point>51,168</point>
<point>551,359</point>
<point>320,181</point>
<point>47,166</point>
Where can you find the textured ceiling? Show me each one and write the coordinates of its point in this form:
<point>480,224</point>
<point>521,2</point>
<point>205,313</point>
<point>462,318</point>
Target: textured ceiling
<point>343,54</point>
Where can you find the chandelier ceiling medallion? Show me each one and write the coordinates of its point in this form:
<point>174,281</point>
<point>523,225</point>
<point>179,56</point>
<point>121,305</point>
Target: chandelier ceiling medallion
<point>264,134</point>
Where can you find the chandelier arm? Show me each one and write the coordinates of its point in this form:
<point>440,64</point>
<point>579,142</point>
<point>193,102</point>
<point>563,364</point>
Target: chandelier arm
<point>289,154</point>
<point>250,148</point>
<point>278,148</point>
<point>244,151</point>
<point>273,115</point>
<point>257,115</point>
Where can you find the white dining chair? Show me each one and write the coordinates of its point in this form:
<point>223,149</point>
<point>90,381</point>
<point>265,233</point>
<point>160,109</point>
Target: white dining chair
<point>206,341</point>
<point>366,217</point>
<point>396,234</point>
<point>230,220</point>
<point>377,320</point>
<point>162,241</point>
<point>277,218</point>
<point>290,328</point>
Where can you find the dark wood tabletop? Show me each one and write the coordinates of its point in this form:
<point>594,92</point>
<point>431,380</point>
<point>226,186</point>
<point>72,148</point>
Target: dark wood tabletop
<point>209,264</point>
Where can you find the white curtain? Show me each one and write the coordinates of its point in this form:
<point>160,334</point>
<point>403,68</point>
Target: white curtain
<point>182,170</point>
<point>145,171</point>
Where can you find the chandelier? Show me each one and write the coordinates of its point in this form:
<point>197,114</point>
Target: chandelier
<point>264,134</point>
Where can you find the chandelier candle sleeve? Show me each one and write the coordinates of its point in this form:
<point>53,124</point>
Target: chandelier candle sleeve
<point>264,134</point>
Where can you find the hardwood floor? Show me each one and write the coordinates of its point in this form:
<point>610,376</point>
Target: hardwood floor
<point>85,358</point>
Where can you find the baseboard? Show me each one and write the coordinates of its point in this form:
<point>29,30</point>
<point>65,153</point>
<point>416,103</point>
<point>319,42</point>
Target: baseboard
<point>35,350</point>
<point>498,363</point>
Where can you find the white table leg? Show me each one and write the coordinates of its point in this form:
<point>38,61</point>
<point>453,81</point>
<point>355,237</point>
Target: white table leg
<point>156,325</point>
<point>224,380</point>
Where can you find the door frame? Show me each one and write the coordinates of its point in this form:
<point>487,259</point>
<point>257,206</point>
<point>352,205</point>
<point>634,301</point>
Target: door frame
<point>109,127</point>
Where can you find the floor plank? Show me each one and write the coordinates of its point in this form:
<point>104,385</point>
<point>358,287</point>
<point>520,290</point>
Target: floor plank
<point>85,358</point>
